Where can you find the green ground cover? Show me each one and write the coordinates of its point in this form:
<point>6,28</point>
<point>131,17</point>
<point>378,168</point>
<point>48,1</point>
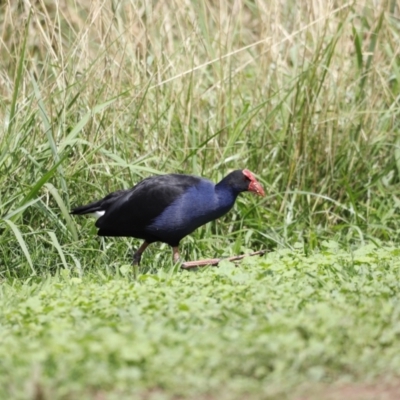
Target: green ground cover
<point>257,330</point>
<point>95,96</point>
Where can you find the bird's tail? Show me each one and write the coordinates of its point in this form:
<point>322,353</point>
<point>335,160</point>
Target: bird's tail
<point>98,208</point>
<point>88,208</point>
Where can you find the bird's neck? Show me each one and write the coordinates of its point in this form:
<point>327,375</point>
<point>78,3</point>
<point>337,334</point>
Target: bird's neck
<point>225,194</point>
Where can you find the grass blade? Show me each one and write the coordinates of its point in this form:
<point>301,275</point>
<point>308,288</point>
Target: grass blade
<point>18,77</point>
<point>70,139</point>
<point>56,244</point>
<point>20,209</point>
<point>21,242</point>
<point>36,187</point>
<point>63,208</point>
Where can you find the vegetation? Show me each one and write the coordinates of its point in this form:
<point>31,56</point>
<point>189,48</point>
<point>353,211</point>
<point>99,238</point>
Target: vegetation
<point>94,96</point>
<point>256,331</point>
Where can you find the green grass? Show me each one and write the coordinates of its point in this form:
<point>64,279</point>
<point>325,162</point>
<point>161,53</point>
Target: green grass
<point>95,96</point>
<point>258,330</point>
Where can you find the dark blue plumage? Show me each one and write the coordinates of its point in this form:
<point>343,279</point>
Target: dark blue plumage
<point>200,204</point>
<point>166,208</point>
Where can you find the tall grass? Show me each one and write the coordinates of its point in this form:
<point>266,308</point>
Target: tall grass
<point>97,95</point>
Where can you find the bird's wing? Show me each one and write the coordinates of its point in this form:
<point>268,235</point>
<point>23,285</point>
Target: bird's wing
<point>135,209</point>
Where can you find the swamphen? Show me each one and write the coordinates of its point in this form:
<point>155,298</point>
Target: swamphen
<point>166,208</point>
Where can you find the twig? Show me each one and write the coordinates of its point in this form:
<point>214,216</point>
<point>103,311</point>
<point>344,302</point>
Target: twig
<point>215,261</point>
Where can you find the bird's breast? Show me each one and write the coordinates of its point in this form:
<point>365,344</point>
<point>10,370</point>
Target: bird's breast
<point>194,208</point>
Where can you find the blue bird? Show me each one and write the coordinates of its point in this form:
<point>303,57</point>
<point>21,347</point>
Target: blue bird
<point>167,208</point>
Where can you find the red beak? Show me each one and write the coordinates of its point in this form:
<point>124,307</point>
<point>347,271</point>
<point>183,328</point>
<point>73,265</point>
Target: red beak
<point>254,185</point>
<point>256,188</point>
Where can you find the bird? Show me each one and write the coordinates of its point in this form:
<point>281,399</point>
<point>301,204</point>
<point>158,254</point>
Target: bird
<point>166,208</point>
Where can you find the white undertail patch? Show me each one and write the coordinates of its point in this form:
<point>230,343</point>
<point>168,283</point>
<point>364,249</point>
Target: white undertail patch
<point>97,214</point>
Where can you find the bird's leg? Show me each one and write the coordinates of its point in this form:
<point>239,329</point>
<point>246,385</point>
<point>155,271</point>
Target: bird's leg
<point>138,254</point>
<point>175,254</point>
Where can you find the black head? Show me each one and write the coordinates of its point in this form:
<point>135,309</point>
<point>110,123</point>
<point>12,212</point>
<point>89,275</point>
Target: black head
<point>243,180</point>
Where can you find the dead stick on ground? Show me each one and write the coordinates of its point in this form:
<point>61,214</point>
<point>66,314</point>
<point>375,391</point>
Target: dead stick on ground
<point>215,261</point>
